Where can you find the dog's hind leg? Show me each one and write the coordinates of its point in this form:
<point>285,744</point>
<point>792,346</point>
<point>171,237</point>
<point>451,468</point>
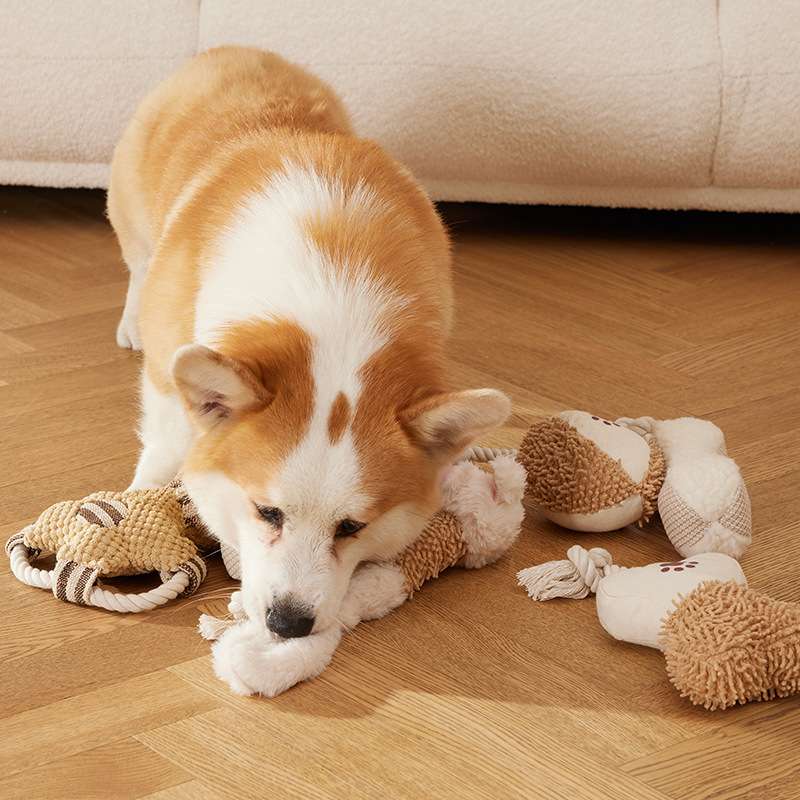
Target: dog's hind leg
<point>129,220</point>
<point>128,328</point>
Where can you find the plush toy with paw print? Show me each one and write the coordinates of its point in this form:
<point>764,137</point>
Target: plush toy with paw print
<point>587,473</point>
<point>724,644</point>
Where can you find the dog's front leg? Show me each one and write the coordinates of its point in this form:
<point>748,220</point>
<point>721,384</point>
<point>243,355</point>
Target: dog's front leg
<point>251,661</point>
<point>166,435</point>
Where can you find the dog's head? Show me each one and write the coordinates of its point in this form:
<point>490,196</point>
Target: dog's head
<point>307,477</point>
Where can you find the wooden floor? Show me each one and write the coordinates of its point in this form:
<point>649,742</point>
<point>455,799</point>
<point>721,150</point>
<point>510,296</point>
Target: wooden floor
<point>471,690</point>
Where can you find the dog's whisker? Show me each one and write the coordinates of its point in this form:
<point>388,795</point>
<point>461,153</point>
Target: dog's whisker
<point>200,599</point>
<point>213,593</point>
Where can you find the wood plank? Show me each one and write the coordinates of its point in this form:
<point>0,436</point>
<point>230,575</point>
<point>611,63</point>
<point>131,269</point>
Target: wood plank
<point>119,770</point>
<point>295,765</point>
<point>471,690</point>
<point>765,763</point>
<point>95,436</point>
<point>111,713</point>
<point>191,790</point>
<point>23,500</point>
<point>150,643</point>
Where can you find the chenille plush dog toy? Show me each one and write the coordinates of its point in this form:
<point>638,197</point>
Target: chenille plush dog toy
<point>480,519</point>
<point>587,473</point>
<point>138,531</point>
<point>724,644</point>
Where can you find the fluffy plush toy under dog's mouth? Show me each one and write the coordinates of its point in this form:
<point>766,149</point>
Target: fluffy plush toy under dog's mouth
<point>481,517</point>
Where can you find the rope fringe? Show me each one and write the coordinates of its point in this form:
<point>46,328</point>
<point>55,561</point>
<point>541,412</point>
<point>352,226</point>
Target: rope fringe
<point>574,578</point>
<point>211,628</point>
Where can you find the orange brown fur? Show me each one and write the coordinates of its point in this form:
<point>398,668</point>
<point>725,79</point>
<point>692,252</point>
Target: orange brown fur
<point>225,112</point>
<point>273,241</point>
<point>256,443</point>
<point>339,418</point>
<point>237,119</point>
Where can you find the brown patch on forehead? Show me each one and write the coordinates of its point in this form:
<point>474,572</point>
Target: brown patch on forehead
<point>338,418</point>
<point>250,447</point>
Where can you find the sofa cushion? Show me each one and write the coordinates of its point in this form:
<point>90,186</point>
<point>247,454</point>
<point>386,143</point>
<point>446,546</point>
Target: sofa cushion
<point>78,74</point>
<point>557,92</point>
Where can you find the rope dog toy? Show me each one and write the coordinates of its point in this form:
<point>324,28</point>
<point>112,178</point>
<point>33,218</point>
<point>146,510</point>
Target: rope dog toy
<point>108,534</point>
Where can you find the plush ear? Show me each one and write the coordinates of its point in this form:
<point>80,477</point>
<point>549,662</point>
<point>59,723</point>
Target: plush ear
<point>443,425</point>
<point>214,386</point>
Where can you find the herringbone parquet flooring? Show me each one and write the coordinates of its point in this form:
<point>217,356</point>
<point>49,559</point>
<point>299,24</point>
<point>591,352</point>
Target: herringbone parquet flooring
<point>471,690</point>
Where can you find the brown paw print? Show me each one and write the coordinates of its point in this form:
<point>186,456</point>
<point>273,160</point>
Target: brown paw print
<point>606,422</point>
<point>678,566</point>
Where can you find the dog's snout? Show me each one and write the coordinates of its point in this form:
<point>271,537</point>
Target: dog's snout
<point>290,618</point>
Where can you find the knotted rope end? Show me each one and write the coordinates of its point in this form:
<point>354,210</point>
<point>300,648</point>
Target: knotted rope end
<point>211,628</point>
<point>574,578</point>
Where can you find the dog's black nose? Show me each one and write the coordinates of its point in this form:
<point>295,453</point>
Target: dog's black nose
<point>289,618</point>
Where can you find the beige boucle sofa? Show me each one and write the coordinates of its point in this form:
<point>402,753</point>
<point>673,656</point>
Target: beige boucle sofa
<point>679,104</point>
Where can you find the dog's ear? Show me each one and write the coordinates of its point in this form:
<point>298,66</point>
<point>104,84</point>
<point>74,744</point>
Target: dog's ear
<point>214,386</point>
<point>445,424</point>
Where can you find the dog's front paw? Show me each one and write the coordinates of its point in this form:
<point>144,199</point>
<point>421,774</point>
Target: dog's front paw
<point>236,655</point>
<point>251,662</point>
<point>236,606</point>
<point>128,333</point>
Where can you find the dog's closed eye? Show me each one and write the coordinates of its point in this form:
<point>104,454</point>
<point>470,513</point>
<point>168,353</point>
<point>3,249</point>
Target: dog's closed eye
<point>348,527</point>
<point>271,514</point>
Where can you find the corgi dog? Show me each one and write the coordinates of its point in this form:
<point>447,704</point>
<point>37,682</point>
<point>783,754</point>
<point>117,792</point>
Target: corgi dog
<point>290,287</point>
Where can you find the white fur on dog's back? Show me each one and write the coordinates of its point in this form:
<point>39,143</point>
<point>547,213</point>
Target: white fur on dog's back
<point>264,266</point>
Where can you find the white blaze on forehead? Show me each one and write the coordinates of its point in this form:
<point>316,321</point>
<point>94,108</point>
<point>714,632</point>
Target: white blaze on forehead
<point>265,266</point>
<point>320,482</point>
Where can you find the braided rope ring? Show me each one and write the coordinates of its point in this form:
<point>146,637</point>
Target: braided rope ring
<point>100,597</point>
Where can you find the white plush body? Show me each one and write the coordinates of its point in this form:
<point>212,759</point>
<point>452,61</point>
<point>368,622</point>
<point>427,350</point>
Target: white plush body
<point>251,660</point>
<point>633,603</point>
<point>703,503</point>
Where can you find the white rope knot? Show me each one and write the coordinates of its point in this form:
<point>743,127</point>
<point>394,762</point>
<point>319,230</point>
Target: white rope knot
<point>591,565</point>
<point>574,578</point>
<point>641,425</point>
<point>482,455</point>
